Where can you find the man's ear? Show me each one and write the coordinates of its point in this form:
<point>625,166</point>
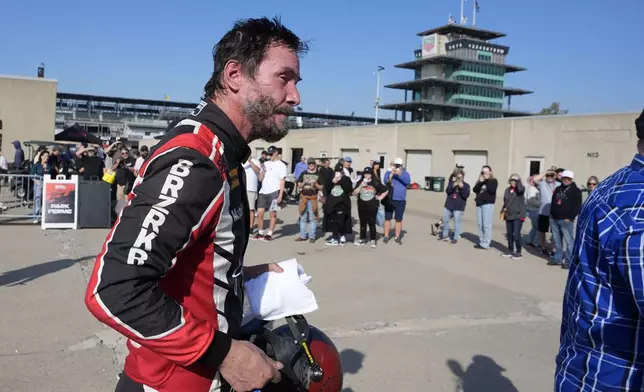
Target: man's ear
<point>233,76</point>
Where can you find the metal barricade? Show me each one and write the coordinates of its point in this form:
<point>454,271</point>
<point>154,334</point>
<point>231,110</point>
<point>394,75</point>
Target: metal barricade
<point>17,196</point>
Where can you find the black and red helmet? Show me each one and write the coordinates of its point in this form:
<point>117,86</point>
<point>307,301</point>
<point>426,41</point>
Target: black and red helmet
<point>311,361</point>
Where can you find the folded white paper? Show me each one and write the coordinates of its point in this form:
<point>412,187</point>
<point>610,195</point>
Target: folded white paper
<point>273,295</point>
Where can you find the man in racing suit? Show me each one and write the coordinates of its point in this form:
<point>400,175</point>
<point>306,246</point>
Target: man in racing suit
<point>170,274</point>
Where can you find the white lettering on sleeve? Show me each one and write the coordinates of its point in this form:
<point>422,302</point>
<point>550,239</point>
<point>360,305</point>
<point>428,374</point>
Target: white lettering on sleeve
<point>156,217</point>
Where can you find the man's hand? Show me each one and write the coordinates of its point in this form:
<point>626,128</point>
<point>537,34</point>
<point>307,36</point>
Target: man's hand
<point>247,368</point>
<point>279,199</point>
<point>254,271</point>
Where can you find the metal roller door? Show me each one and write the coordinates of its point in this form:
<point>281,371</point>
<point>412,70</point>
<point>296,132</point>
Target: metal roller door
<point>419,165</point>
<point>473,161</point>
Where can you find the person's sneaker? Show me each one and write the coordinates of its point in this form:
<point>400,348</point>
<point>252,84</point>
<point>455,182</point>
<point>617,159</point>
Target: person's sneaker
<point>443,239</point>
<point>454,242</point>
<point>565,265</point>
<point>36,221</point>
<point>506,254</point>
<point>398,241</point>
<point>299,239</point>
<point>312,240</point>
<point>331,242</point>
<point>385,240</point>
<point>359,243</point>
<point>256,237</point>
<point>372,244</point>
<point>477,246</point>
<point>267,238</point>
<point>552,262</point>
<point>343,240</point>
<point>517,256</point>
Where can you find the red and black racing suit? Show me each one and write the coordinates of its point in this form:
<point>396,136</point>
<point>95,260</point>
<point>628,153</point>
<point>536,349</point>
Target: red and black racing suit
<point>169,276</point>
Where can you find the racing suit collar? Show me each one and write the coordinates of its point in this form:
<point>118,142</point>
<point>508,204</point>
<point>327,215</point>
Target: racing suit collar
<point>214,117</point>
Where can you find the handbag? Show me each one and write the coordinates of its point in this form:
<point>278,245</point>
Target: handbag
<point>502,214</point>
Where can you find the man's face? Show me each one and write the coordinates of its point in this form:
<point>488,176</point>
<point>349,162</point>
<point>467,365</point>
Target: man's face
<point>566,180</point>
<point>91,153</point>
<point>311,167</point>
<point>327,164</point>
<point>144,153</point>
<point>56,153</point>
<point>269,98</point>
<point>347,164</point>
<point>550,177</point>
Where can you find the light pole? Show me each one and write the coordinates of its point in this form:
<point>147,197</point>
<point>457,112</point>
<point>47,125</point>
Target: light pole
<point>378,71</point>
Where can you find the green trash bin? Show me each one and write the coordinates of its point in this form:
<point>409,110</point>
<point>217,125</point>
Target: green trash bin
<point>438,185</point>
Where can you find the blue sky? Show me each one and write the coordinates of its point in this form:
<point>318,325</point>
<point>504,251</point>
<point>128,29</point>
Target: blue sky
<point>585,53</point>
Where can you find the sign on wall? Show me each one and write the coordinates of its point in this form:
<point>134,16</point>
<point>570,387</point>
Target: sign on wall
<point>60,203</point>
<point>430,44</point>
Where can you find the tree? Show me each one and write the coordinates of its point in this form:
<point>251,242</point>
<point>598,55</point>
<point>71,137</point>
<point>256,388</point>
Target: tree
<point>553,109</point>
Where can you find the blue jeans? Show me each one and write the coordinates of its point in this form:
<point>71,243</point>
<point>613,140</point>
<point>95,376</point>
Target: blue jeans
<point>37,199</point>
<point>447,215</point>
<point>534,219</point>
<point>309,215</point>
<point>484,221</point>
<point>562,230</point>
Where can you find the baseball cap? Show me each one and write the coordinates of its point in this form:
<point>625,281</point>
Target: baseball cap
<point>568,174</point>
<point>367,170</point>
<point>271,150</point>
<point>310,161</point>
<point>347,159</point>
<point>399,161</point>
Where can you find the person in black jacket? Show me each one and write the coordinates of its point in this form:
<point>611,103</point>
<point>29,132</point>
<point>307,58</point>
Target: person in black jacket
<point>371,191</point>
<point>338,205</point>
<point>514,212</point>
<point>457,193</point>
<point>485,190</point>
<point>566,204</point>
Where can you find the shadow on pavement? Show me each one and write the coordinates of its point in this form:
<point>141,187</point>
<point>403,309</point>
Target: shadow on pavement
<point>474,239</point>
<point>351,363</point>
<point>33,272</point>
<point>482,375</point>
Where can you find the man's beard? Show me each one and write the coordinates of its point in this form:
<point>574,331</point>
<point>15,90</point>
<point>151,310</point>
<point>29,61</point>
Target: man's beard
<point>263,125</point>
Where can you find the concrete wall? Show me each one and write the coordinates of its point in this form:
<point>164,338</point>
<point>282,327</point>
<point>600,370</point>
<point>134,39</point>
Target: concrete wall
<point>27,110</point>
<point>587,144</point>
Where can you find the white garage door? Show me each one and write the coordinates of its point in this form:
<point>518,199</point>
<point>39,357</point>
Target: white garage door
<point>419,165</point>
<point>354,153</point>
<point>473,161</point>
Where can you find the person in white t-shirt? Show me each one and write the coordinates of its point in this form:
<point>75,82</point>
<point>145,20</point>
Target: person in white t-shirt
<point>139,161</point>
<point>252,167</point>
<point>272,176</point>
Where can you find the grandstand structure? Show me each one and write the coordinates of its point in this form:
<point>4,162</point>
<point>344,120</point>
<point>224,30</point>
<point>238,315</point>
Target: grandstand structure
<point>136,119</point>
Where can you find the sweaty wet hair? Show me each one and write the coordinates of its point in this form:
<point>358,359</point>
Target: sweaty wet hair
<point>247,42</point>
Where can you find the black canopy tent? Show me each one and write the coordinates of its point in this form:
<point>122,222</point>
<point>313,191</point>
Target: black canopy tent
<point>76,133</point>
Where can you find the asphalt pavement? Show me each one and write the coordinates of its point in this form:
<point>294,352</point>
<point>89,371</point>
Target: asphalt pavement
<point>421,316</point>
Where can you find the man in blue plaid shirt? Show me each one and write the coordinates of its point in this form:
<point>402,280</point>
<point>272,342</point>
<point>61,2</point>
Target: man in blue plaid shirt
<point>602,328</point>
